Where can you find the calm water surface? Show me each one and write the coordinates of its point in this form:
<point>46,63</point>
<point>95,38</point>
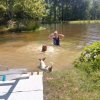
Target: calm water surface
<point>24,50</point>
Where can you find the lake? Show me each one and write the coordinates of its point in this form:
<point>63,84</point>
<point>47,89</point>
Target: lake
<point>24,49</point>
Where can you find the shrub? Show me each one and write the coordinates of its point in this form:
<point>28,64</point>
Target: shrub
<point>89,60</point>
<point>24,25</point>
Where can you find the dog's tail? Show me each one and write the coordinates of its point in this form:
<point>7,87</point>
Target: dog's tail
<point>51,67</point>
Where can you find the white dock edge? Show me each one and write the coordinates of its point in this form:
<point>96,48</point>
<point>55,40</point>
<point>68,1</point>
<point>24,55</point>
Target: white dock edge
<point>30,88</point>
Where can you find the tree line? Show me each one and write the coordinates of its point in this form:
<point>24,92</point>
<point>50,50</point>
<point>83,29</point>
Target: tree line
<point>66,10</point>
<point>50,10</point>
<point>22,9</point>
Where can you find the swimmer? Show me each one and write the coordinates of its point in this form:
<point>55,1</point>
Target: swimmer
<point>56,38</point>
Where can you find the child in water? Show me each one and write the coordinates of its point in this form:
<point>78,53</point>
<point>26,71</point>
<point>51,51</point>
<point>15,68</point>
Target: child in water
<point>56,38</point>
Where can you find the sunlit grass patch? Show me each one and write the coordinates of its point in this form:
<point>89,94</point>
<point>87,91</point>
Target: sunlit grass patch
<point>69,85</point>
<point>84,22</point>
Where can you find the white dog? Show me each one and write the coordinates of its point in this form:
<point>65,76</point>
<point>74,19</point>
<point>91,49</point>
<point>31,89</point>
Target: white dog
<point>43,66</point>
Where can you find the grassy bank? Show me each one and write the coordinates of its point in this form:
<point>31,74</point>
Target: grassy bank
<point>21,26</point>
<point>84,22</point>
<point>70,85</point>
<point>4,29</point>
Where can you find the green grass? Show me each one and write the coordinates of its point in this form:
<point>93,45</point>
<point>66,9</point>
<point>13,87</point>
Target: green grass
<point>4,29</point>
<point>71,84</point>
<point>84,22</point>
<point>40,28</point>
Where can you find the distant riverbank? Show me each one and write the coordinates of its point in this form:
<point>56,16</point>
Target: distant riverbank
<point>5,29</point>
<point>84,22</point>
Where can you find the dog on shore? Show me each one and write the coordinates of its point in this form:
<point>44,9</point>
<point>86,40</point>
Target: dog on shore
<point>43,66</point>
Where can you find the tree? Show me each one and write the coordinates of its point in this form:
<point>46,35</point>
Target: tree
<point>95,10</point>
<point>25,8</point>
<point>62,10</point>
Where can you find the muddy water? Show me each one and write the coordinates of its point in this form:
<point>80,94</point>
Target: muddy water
<point>24,50</point>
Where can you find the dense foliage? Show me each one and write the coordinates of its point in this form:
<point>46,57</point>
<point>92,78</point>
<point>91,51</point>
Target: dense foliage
<point>27,9</point>
<point>47,11</point>
<point>56,10</point>
<point>22,15</point>
<point>63,10</point>
<point>89,60</point>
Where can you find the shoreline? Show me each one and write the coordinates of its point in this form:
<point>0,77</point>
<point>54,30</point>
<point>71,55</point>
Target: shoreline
<point>8,30</point>
<point>84,22</point>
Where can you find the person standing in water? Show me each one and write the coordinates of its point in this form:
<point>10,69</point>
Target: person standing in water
<point>56,38</point>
